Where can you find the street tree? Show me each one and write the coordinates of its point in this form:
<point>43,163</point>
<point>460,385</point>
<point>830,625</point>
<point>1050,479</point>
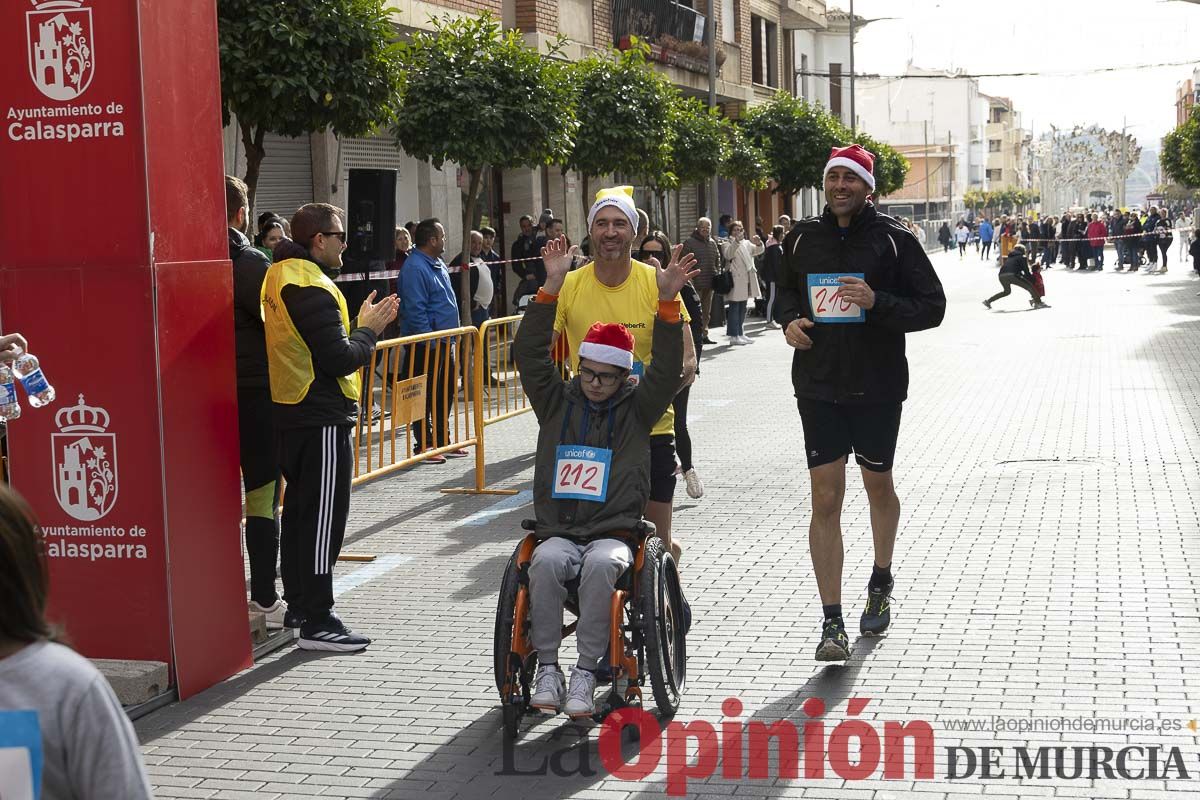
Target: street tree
<point>698,148</point>
<point>795,138</point>
<point>478,96</point>
<point>891,168</point>
<point>303,66</point>
<point>1180,154</point>
<point>745,163</point>
<point>623,106</point>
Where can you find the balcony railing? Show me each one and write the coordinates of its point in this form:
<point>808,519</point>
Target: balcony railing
<point>661,22</point>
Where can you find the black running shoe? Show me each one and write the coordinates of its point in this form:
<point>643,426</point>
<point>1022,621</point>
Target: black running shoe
<point>292,619</point>
<point>835,644</point>
<point>878,613</point>
<point>330,635</point>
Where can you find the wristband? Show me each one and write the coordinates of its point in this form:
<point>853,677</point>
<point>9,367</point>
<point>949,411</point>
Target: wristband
<point>668,311</point>
<point>545,297</point>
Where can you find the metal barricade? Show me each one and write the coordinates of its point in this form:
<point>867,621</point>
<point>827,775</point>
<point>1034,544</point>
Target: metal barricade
<point>499,394</point>
<point>424,387</point>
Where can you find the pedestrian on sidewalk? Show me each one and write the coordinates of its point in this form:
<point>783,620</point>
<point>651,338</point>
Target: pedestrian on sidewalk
<point>945,237</point>
<point>1150,240</point>
<point>1194,251</point>
<point>703,246</point>
<point>1096,233</point>
<point>1065,228</point>
<point>851,378</point>
<point>430,304</point>
<point>772,258</point>
<point>58,714</point>
<point>1163,238</point>
<point>256,425</point>
<point>1015,272</point>
<point>740,253</point>
<point>986,232</point>
<point>656,251</point>
<point>314,354</point>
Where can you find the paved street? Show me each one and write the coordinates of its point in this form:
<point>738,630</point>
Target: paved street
<point>1047,470</point>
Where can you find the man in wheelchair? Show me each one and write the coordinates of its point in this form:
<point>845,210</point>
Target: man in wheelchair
<point>592,471</point>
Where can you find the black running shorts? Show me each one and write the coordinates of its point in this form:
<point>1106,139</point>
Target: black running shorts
<point>662,468</point>
<point>833,430</point>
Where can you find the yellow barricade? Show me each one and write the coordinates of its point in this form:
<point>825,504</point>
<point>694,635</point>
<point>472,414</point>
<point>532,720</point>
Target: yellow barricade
<point>416,383</point>
<point>464,376</point>
<point>499,394</point>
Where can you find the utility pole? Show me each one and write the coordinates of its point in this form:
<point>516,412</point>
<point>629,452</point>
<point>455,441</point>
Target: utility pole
<point>1124,163</point>
<point>926,127</point>
<point>713,213</point>
<point>853,120</point>
<point>950,185</point>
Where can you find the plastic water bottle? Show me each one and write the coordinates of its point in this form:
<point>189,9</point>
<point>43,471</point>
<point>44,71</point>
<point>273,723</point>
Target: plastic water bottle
<point>38,389</point>
<point>9,407</point>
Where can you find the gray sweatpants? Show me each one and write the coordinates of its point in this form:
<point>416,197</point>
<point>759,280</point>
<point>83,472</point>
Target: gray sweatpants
<point>599,564</point>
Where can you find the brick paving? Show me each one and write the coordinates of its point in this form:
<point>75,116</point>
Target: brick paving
<point>1047,471</point>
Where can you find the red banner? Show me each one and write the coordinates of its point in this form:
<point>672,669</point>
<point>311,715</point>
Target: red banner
<point>92,202</point>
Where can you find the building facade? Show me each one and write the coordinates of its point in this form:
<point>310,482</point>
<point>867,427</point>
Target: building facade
<point>763,46</point>
<point>936,114</point>
<point>1007,164</point>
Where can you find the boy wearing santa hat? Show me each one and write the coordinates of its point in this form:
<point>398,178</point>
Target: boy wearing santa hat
<point>592,471</point>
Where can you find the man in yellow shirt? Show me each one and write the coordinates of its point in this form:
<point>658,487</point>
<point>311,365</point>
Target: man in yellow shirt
<point>616,288</point>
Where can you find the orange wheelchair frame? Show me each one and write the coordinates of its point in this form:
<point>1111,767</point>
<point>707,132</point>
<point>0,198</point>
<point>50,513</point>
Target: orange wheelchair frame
<point>646,637</point>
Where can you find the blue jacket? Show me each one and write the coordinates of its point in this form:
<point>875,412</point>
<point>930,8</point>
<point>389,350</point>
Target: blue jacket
<point>985,231</point>
<point>426,297</point>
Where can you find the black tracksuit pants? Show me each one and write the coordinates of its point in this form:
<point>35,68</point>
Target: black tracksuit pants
<point>317,464</point>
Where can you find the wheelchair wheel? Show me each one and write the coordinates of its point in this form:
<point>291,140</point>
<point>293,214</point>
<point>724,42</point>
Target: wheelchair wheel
<point>660,604</point>
<point>511,668</point>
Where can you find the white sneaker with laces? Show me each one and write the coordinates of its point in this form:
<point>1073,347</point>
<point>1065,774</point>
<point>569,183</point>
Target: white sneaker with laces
<point>734,340</point>
<point>549,688</point>
<point>581,700</point>
<point>274,612</point>
<point>745,340</point>
<point>695,488</point>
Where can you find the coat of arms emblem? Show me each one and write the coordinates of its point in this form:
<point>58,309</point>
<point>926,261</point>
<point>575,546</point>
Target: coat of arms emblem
<point>61,50</point>
<point>85,462</point>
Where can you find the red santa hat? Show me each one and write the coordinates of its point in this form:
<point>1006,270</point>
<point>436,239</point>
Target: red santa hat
<point>855,158</point>
<point>608,343</point>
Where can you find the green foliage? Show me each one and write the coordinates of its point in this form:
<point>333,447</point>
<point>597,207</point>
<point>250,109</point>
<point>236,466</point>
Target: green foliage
<point>624,108</point>
<point>1180,154</point>
<point>975,199</point>
<point>795,138</point>
<point>303,66</point>
<point>700,144</point>
<point>478,96</point>
<point>891,168</point>
<point>745,163</point>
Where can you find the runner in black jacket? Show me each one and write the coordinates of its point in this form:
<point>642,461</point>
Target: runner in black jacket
<point>852,283</point>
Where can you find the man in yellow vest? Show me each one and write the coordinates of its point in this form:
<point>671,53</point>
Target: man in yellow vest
<point>314,353</point>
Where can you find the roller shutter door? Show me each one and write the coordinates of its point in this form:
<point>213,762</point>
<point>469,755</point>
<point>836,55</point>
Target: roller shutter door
<point>286,180</point>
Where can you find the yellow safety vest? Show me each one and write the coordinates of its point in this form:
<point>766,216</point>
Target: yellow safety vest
<point>289,360</point>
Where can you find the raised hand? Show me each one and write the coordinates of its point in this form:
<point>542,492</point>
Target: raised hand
<point>679,270</point>
<point>557,256</point>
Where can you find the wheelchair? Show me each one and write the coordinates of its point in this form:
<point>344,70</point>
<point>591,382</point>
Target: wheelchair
<point>646,637</point>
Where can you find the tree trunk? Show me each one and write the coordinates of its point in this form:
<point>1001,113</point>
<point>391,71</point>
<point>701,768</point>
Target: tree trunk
<point>253,142</point>
<point>587,200</point>
<point>464,276</point>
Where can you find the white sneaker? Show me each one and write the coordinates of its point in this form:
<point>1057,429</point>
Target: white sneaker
<point>274,613</point>
<point>549,687</point>
<point>695,488</point>
<point>745,340</point>
<point>734,340</point>
<point>580,696</point>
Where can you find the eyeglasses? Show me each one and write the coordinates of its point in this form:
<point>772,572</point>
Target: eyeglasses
<point>603,378</point>
<point>645,254</point>
<point>341,235</point>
